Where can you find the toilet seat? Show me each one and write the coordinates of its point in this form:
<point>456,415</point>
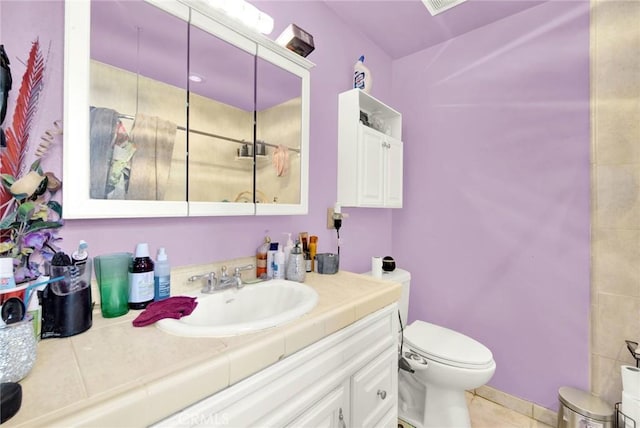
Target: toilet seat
<point>446,346</point>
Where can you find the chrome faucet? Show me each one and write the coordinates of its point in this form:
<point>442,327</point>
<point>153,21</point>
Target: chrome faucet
<point>214,284</point>
<point>227,281</point>
<point>211,281</point>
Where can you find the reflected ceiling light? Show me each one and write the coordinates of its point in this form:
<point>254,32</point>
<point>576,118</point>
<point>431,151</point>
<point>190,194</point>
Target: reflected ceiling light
<point>195,78</point>
<point>243,12</point>
<point>437,6</point>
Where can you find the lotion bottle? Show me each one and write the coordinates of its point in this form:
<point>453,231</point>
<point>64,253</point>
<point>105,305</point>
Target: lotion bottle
<point>287,248</point>
<point>279,264</point>
<point>271,258</point>
<point>141,278</point>
<point>313,248</point>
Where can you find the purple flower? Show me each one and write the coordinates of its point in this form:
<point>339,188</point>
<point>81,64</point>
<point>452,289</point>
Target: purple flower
<point>22,273</point>
<point>36,240</point>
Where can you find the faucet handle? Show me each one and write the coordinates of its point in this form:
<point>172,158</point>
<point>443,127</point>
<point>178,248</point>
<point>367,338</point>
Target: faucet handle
<point>223,272</point>
<point>238,276</point>
<point>236,271</point>
<point>212,281</point>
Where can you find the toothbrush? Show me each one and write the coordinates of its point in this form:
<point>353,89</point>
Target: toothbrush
<point>80,255</point>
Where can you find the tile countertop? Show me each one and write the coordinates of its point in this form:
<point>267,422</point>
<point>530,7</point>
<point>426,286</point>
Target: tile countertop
<point>117,375</point>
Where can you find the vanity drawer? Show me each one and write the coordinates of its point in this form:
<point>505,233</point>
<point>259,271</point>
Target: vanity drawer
<point>373,390</point>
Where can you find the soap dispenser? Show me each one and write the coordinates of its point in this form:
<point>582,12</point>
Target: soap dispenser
<point>296,270</point>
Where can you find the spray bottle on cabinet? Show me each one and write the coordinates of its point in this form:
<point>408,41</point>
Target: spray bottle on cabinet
<point>362,76</point>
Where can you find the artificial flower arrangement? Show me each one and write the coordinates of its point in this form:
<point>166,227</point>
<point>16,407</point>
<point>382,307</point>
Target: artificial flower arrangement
<point>29,216</point>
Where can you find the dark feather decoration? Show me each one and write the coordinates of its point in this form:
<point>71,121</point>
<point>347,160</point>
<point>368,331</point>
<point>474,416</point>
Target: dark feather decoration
<point>12,158</point>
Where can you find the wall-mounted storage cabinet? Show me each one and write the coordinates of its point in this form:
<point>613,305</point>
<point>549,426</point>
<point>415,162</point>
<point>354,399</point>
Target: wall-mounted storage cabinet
<point>370,152</point>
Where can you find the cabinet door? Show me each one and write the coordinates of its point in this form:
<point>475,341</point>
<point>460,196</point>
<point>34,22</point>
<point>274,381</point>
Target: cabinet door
<point>373,390</point>
<point>330,412</point>
<point>393,189</point>
<point>371,164</point>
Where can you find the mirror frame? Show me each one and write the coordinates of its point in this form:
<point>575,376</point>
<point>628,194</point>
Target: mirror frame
<point>76,201</point>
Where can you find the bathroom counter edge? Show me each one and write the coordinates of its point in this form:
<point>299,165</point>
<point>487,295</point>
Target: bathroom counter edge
<point>95,390</point>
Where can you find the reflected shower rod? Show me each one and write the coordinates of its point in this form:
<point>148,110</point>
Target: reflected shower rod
<point>208,134</point>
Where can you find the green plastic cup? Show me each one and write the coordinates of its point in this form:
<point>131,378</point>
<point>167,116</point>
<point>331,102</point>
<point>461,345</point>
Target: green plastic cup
<point>112,275</point>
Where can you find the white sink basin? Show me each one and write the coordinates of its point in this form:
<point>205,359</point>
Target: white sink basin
<point>252,308</point>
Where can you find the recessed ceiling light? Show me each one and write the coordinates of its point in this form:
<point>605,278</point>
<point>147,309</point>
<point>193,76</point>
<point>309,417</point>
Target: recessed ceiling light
<point>195,78</point>
<point>438,6</point>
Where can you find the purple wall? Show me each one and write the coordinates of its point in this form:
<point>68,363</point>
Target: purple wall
<point>202,240</point>
<point>495,228</point>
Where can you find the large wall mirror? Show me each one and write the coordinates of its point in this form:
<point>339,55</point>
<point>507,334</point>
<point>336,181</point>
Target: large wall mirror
<point>176,111</point>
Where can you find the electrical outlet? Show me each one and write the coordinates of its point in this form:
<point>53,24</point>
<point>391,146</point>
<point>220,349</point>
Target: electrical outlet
<point>330,218</point>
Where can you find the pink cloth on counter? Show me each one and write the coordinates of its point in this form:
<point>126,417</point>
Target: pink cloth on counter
<point>174,307</point>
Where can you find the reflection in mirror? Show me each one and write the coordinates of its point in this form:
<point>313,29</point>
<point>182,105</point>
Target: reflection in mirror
<point>126,76</point>
<point>279,133</point>
<point>221,118</point>
<point>138,95</point>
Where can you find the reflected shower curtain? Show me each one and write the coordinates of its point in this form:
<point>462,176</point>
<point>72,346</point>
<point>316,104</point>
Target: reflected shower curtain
<point>103,122</point>
<point>154,139</point>
<point>110,154</point>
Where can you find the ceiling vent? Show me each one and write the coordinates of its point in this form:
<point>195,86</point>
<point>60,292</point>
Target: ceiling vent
<point>438,6</point>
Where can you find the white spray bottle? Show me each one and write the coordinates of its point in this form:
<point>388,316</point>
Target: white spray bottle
<point>362,76</point>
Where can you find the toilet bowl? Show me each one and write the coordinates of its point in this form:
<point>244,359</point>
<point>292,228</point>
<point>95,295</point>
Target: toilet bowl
<point>445,364</point>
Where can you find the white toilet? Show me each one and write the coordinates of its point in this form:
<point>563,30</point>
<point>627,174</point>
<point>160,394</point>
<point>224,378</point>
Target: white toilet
<point>445,364</point>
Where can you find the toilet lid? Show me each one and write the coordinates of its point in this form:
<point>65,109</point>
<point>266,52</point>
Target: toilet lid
<point>447,346</point>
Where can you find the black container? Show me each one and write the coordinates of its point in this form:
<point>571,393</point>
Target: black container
<point>388,264</point>
<point>67,314</point>
<point>10,400</point>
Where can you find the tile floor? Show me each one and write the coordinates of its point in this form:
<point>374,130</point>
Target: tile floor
<point>487,414</point>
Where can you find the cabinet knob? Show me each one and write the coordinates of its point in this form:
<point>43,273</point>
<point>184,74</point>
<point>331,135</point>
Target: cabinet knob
<point>382,394</point>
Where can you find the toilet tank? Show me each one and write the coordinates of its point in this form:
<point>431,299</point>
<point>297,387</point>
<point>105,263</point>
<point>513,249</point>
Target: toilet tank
<point>404,277</point>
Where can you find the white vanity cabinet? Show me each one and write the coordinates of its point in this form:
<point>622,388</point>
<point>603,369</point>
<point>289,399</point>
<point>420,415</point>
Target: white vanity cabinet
<point>347,379</point>
<point>370,152</point>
